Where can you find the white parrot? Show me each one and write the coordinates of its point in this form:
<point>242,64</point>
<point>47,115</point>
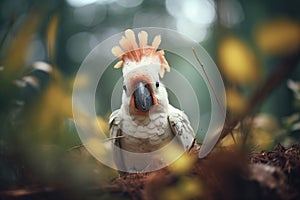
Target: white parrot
<point>145,121</point>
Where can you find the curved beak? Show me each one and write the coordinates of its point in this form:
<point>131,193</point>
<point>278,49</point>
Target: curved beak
<point>143,100</point>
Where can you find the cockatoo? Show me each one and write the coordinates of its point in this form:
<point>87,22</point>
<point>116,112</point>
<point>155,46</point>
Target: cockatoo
<point>145,121</point>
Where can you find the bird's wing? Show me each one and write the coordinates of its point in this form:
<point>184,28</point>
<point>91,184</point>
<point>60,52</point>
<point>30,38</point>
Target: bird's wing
<point>115,132</point>
<point>181,128</point>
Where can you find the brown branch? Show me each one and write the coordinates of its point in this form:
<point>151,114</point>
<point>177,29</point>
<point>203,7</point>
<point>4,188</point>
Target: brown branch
<point>280,73</point>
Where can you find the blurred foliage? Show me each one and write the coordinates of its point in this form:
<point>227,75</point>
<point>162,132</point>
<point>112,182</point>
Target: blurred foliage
<point>236,103</point>
<point>39,145</point>
<point>186,188</point>
<point>244,69</point>
<point>278,36</point>
<point>51,36</point>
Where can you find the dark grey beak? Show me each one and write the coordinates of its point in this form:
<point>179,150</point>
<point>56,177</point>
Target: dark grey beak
<point>143,100</point>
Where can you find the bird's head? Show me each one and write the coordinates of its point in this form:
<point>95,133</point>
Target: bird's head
<point>143,66</point>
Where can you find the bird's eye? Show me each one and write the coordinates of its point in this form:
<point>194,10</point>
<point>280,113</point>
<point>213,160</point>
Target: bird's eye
<point>157,84</point>
<point>124,88</point>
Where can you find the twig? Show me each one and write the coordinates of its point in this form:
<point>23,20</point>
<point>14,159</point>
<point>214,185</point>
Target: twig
<point>112,138</point>
<point>75,147</point>
<point>104,140</point>
<point>212,89</point>
<point>208,80</point>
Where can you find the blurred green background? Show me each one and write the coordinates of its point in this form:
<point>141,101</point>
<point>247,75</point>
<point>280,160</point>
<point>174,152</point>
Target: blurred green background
<point>246,39</point>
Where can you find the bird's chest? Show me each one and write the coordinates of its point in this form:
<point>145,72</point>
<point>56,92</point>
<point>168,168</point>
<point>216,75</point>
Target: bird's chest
<point>146,135</point>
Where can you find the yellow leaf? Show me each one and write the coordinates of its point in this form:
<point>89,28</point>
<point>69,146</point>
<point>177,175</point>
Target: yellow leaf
<point>51,36</point>
<point>237,61</point>
<point>236,103</point>
<point>53,106</point>
<point>170,193</point>
<point>56,104</point>
<point>16,53</point>
<point>190,188</point>
<point>103,125</point>
<point>182,165</point>
<point>278,36</point>
<point>265,129</point>
<point>185,188</point>
<point>261,139</point>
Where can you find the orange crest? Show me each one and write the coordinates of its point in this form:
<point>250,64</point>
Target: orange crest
<point>129,50</point>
